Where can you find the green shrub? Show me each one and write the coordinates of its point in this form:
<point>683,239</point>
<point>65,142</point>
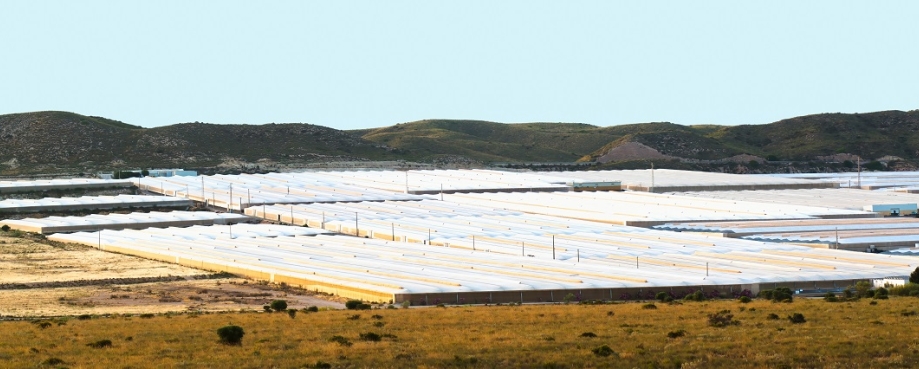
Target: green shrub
<point>830,297</point>
<point>722,319</point>
<point>313,309</point>
<point>772,316</point>
<point>862,289</point>
<point>320,365</point>
<point>568,298</point>
<point>52,361</point>
<point>913,277</point>
<point>371,337</point>
<point>676,334</point>
<point>340,340</point>
<point>353,304</point>
<point>278,305</point>
<point>797,318</point>
<point>231,335</point>
<point>5,228</point>
<point>908,289</point>
<point>368,307</point>
<point>780,294</point>
<point>100,344</point>
<point>649,306</point>
<point>744,299</point>
<point>662,296</point>
<point>603,351</point>
<point>292,313</point>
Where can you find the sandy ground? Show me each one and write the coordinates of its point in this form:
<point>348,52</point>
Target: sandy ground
<point>37,279</point>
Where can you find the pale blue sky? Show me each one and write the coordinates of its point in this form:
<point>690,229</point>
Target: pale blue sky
<point>376,63</point>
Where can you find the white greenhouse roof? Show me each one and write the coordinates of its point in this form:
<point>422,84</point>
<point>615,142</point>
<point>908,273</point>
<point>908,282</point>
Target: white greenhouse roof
<point>244,190</point>
<point>839,198</point>
<point>60,184</point>
<point>795,225</point>
<point>96,222</point>
<point>610,257</point>
<point>643,208</point>
<point>89,202</point>
<point>663,180</point>
<point>867,180</point>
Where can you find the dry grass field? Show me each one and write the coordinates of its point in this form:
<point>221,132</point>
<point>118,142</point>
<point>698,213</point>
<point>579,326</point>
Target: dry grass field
<point>856,334</point>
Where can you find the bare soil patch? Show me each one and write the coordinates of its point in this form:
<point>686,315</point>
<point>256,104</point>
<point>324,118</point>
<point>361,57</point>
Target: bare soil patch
<point>38,279</point>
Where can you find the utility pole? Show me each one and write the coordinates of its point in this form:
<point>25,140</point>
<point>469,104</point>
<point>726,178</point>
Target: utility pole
<point>652,177</point>
<point>859,183</point>
<point>553,247</point>
<point>837,238</point>
<point>230,204</point>
<point>357,230</point>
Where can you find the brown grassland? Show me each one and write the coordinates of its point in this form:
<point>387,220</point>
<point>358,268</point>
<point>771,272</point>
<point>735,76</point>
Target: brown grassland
<point>854,334</point>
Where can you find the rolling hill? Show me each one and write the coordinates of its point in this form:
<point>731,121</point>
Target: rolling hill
<point>47,142</point>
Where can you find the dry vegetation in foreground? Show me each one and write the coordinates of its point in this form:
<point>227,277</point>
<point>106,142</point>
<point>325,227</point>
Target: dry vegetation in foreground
<point>727,333</point>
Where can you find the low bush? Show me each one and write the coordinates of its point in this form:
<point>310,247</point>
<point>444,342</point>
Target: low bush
<point>744,299</point>
<point>278,305</point>
<point>313,309</point>
<point>797,318</point>
<point>340,340</point>
<point>231,335</point>
<point>376,316</point>
<point>52,361</point>
<point>603,351</point>
<point>588,335</point>
<point>353,304</point>
<point>772,316</point>
<point>676,334</point>
<point>292,313</point>
<point>100,344</point>
<point>722,319</point>
<point>5,228</point>
<point>320,365</point>
<point>354,317</point>
<point>830,297</point>
<point>649,306</point>
<point>780,294</point>
<point>371,337</point>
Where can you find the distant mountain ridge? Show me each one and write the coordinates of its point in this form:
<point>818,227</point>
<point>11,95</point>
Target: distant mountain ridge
<point>46,142</point>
